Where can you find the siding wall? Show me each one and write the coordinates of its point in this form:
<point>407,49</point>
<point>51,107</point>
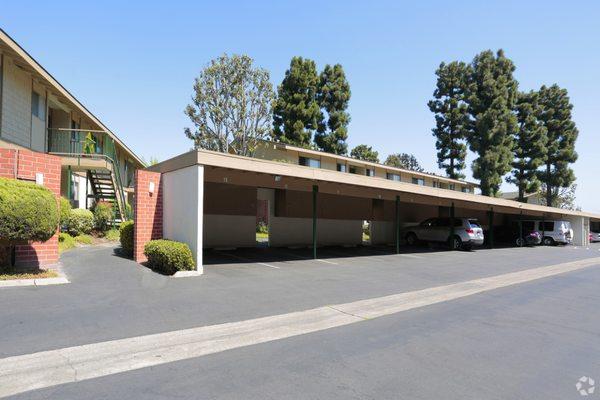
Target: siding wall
<point>16,104</point>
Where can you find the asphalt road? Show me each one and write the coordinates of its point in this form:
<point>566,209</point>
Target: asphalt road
<point>533,340</point>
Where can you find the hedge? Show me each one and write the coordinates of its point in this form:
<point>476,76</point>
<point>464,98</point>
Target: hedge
<point>126,237</point>
<point>65,211</point>
<point>80,222</point>
<point>28,212</point>
<point>103,215</point>
<point>168,256</point>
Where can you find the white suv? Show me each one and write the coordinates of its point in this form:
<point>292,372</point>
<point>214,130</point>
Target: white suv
<point>554,231</point>
<point>467,232</point>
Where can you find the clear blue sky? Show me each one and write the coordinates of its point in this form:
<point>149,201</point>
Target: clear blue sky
<point>133,64</point>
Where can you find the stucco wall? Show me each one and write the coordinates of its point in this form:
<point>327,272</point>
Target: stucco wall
<point>298,232</point>
<point>183,194</point>
<point>227,231</point>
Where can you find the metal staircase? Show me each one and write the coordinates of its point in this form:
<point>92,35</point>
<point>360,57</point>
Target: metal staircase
<point>105,188</point>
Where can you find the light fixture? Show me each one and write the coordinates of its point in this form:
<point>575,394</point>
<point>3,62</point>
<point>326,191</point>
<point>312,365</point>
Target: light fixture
<point>277,178</point>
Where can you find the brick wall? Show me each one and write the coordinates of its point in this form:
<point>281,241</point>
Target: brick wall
<point>23,165</point>
<point>148,212</point>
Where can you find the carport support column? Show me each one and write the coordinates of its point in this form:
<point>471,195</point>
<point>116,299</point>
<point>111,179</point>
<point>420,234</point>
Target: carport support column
<point>491,230</point>
<point>397,226</point>
<point>521,227</point>
<point>452,220</point>
<point>315,191</point>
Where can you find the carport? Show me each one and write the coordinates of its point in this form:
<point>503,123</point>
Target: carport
<point>209,200</point>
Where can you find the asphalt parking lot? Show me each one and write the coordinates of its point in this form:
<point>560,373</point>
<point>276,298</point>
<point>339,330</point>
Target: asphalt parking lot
<point>109,297</point>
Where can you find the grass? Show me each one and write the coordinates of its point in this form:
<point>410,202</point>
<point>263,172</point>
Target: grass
<point>84,239</point>
<point>262,235</point>
<point>112,235</point>
<point>65,242</point>
<point>7,274</point>
<point>365,237</point>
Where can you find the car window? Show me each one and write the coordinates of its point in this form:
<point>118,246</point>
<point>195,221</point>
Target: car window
<point>474,223</point>
<point>547,226</point>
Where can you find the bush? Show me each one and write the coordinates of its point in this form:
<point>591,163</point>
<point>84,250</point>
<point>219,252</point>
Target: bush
<point>65,242</point>
<point>28,212</point>
<point>65,211</point>
<point>103,216</point>
<point>113,235</point>
<point>126,237</point>
<point>168,256</point>
<point>80,221</point>
<point>84,239</point>
<point>261,227</point>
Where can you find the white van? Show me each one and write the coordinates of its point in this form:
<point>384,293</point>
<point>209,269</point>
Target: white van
<point>554,231</point>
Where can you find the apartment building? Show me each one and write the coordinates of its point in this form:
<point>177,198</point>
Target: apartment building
<point>37,113</point>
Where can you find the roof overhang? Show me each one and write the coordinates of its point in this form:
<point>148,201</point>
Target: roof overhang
<point>262,173</point>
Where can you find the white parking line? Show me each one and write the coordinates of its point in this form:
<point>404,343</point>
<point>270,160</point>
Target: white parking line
<point>307,258</point>
<point>248,260</point>
<point>28,372</point>
<point>325,261</point>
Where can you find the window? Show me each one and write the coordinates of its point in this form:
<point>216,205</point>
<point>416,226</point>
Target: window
<point>352,169</point>
<point>547,226</point>
<point>435,184</point>
<point>341,167</point>
<point>451,186</point>
<point>36,110</point>
<point>393,177</point>
<point>418,181</point>
<point>466,189</point>
<point>309,162</point>
<point>369,172</point>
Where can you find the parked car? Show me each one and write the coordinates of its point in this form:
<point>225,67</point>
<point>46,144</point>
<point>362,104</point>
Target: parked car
<point>554,231</point>
<point>467,232</point>
<point>510,234</point>
<point>594,237</point>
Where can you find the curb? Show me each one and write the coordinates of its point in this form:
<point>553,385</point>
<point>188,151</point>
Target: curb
<point>59,280</point>
<point>187,274</point>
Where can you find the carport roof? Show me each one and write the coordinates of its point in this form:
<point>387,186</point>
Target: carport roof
<point>315,175</point>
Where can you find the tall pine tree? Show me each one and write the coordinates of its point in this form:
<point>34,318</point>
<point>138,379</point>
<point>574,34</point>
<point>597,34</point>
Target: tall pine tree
<point>562,134</point>
<point>296,113</point>
<point>365,153</point>
<point>333,97</point>
<point>530,145</point>
<point>451,117</point>
<point>492,95</point>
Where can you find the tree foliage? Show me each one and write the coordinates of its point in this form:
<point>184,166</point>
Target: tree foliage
<point>491,97</point>
<point>562,197</point>
<point>296,113</point>
<point>333,97</point>
<point>403,160</point>
<point>365,153</point>
<point>530,145</point>
<point>231,106</point>
<point>451,117</point>
<point>562,134</point>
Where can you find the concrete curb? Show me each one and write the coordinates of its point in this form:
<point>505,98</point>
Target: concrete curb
<point>187,274</point>
<point>59,280</point>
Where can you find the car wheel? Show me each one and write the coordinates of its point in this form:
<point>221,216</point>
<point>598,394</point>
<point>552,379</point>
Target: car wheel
<point>467,247</point>
<point>455,243</point>
<point>411,239</point>
<point>548,241</point>
<point>520,242</point>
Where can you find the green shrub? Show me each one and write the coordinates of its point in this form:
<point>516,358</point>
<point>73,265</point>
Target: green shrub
<point>261,227</point>
<point>128,211</point>
<point>65,242</point>
<point>84,239</point>
<point>168,256</point>
<point>65,211</point>
<point>27,211</point>
<point>126,237</point>
<point>103,216</point>
<point>80,221</point>
<point>113,235</point>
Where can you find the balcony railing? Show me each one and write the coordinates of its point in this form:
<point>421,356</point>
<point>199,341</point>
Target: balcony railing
<point>85,143</point>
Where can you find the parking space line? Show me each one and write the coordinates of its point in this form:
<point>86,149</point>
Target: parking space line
<point>248,260</point>
<point>307,258</point>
